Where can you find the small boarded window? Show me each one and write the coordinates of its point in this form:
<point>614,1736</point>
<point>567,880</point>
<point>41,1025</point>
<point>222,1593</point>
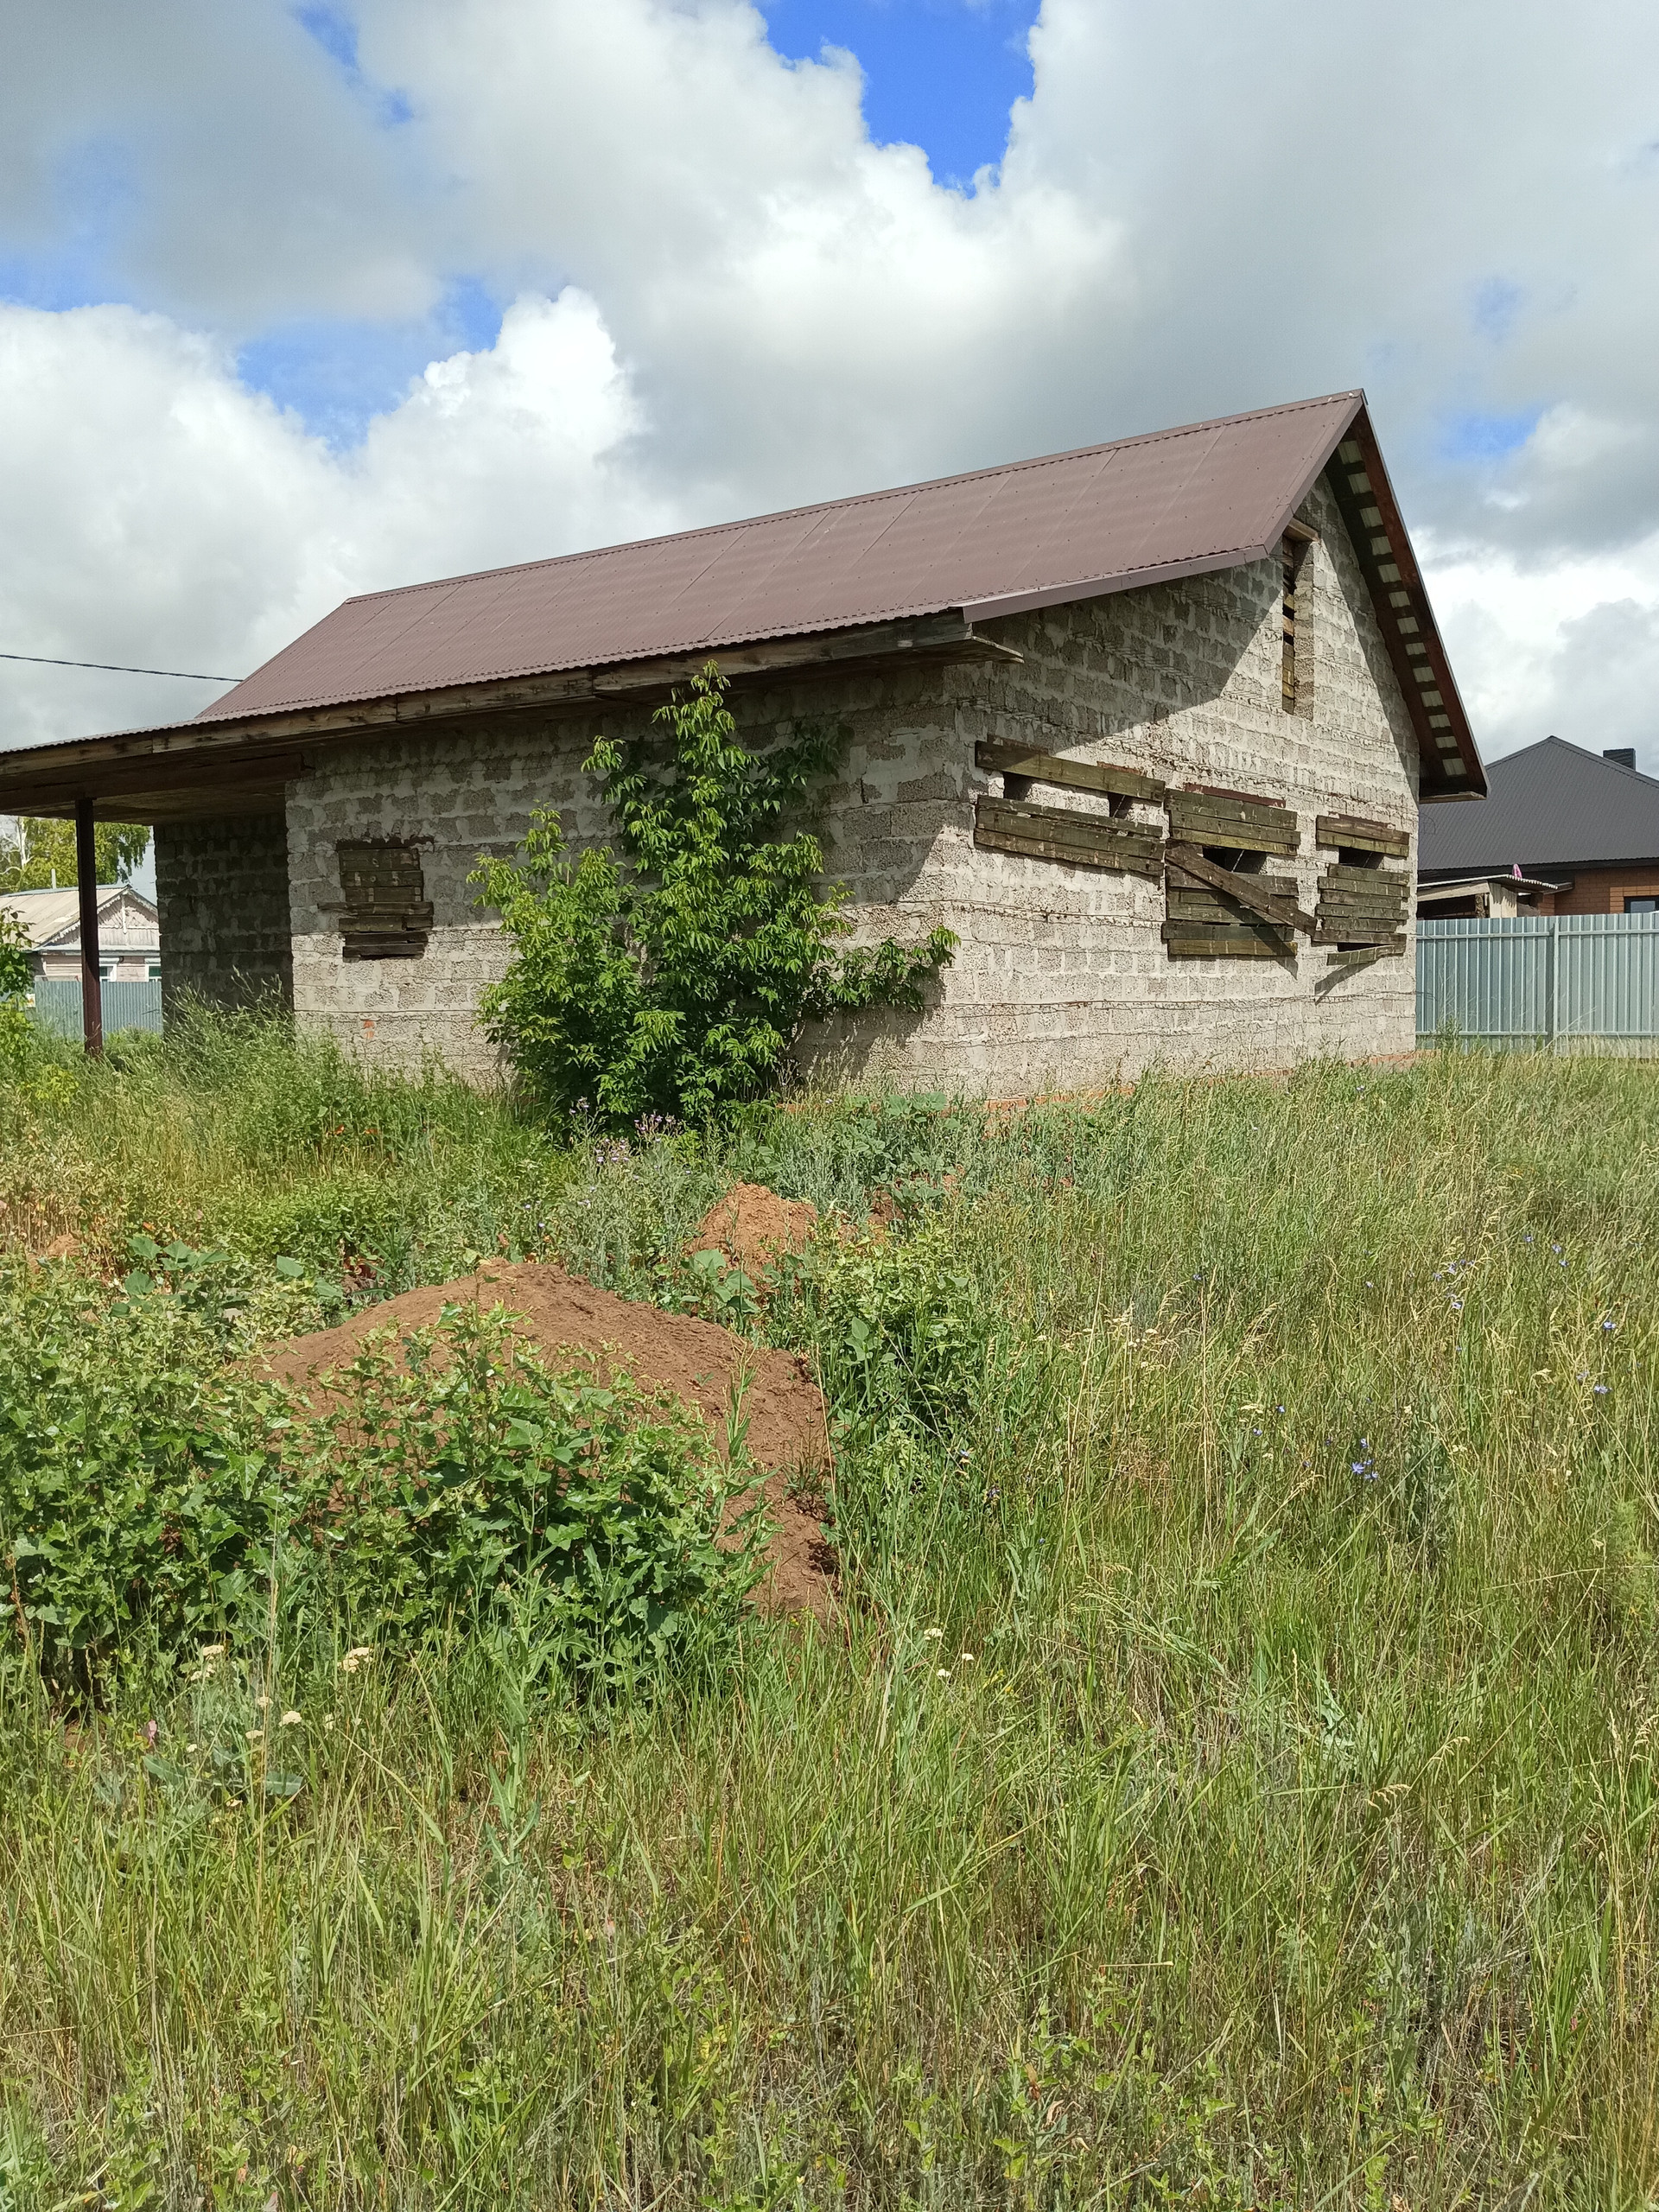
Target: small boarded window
<point>383,911</point>
<point>1363,901</point>
<point>1296,674</point>
<point>1222,902</point>
<point>1013,824</point>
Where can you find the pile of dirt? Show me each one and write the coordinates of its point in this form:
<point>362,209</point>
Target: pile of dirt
<point>696,1361</point>
<point>754,1228</point>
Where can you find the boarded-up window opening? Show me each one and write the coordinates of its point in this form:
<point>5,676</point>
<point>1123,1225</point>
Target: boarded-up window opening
<point>1362,905</point>
<point>1019,768</point>
<point>384,911</point>
<point>1295,668</point>
<point>1364,902</point>
<point>1237,835</point>
<point>1057,833</point>
<point>1290,555</point>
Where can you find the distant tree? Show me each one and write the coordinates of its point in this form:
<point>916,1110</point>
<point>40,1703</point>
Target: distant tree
<point>37,854</point>
<point>672,975</point>
<point>16,970</point>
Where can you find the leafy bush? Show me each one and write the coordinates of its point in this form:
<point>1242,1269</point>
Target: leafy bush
<point>142,1509</point>
<point>674,978</point>
<point>16,971</point>
<point>466,1476</point>
<point>898,1335</point>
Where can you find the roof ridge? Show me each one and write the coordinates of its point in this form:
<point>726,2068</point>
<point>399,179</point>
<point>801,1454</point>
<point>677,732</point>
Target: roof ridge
<point>856,498</point>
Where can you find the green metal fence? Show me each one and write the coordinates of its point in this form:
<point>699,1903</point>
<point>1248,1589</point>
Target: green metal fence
<point>56,1006</point>
<point>1567,981</point>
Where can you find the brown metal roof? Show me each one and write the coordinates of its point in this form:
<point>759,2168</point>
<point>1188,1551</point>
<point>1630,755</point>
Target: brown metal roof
<point>907,571</point>
<point>1067,526</point>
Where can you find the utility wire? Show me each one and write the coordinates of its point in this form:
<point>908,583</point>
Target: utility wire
<point>115,667</point>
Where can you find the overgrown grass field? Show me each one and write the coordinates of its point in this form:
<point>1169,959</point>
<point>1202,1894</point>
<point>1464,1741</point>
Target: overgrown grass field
<point>1232,1780</point>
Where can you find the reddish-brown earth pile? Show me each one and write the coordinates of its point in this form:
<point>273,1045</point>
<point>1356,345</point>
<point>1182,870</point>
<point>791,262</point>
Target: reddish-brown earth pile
<point>698,1361</point>
<point>754,1228</point>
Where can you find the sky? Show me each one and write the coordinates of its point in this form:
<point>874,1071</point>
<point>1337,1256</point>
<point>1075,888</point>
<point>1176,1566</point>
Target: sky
<point>299,298</point>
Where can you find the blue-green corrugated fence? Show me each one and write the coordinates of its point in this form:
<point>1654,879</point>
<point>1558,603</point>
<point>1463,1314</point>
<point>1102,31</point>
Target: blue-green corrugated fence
<point>126,1005</point>
<point>1567,980</point>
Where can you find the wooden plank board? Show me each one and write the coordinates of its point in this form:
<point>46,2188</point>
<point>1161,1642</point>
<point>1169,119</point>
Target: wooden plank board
<point>1052,833</point>
<point>1270,898</point>
<point>1361,835</point>
<point>1363,879</point>
<point>1194,941</point>
<point>1074,775</point>
<point>1198,903</point>
<point>1361,956</point>
<point>1392,910</point>
<point>1391,896</point>
<point>1245,825</point>
<point>1355,932</point>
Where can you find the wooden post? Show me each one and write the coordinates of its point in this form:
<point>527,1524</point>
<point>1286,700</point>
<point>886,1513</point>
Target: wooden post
<point>91,987</point>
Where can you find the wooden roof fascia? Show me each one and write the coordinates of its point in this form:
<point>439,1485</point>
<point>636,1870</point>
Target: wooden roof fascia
<point>1401,556</point>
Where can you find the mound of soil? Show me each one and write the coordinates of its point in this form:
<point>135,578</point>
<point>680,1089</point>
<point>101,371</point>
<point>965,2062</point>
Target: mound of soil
<point>696,1361</point>
<point>754,1228</point>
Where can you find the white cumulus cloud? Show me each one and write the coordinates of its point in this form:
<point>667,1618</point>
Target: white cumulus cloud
<point>726,297</point>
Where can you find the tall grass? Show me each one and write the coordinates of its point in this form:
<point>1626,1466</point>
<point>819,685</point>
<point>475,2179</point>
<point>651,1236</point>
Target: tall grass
<point>1232,1780</point>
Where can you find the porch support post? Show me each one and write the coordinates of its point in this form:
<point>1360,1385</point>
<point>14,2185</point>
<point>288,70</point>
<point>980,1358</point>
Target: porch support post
<point>92,988</point>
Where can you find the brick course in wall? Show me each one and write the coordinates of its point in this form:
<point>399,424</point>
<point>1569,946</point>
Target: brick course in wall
<point>1062,977</point>
<point>222,898</point>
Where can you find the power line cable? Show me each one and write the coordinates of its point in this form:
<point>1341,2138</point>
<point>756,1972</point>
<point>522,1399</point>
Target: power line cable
<point>116,668</point>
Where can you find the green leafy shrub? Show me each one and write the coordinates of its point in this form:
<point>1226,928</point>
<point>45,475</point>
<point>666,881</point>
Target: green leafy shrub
<point>900,1338</point>
<point>673,976</point>
<point>144,1510</point>
<point>15,970</point>
<point>464,1473</point>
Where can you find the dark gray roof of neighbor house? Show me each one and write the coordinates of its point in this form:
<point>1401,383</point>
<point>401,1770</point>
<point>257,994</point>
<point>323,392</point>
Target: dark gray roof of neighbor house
<point>997,540</point>
<point>1551,805</point>
<point>903,572</point>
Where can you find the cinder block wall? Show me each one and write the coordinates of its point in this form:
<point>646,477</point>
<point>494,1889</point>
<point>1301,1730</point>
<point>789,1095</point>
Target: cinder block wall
<point>1062,977</point>
<point>221,893</point>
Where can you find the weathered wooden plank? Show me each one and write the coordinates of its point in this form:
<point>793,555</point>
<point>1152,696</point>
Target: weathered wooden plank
<point>385,917</point>
<point>1382,910</point>
<point>1361,835</point>
<point>1361,956</point>
<point>1196,941</point>
<point>1381,890</point>
<point>1363,879</point>
<point>1195,818</point>
<point>1052,833</point>
<point>1199,903</point>
<point>1074,775</point>
<point>1272,898</point>
<point>1355,932</point>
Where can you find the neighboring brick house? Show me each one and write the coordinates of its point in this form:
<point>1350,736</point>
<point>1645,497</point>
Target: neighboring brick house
<point>129,946</point>
<point>1145,725</point>
<point>1582,826</point>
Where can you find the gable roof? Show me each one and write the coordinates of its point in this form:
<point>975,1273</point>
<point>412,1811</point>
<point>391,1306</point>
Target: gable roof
<point>993,541</point>
<point>54,917</point>
<point>1551,805</point>
<point>909,570</point>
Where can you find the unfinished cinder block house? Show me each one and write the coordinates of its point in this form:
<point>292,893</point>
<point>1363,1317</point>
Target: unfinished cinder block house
<point>1146,725</point>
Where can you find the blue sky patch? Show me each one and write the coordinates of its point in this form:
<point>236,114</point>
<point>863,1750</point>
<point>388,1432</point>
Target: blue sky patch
<point>336,34</point>
<point>96,189</point>
<point>940,74</point>
<point>1496,303</point>
<point>1487,437</point>
<point>336,374</point>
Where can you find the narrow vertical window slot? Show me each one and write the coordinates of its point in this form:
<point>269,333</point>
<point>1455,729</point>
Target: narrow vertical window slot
<point>1295,673</point>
